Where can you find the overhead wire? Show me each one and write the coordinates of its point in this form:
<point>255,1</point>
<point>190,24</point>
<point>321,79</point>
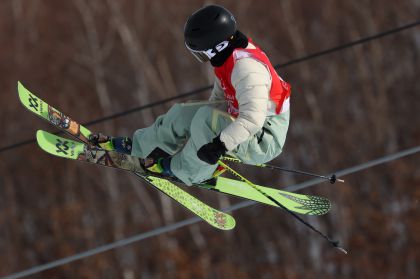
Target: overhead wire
<point>172,227</point>
<point>202,89</point>
<point>193,220</point>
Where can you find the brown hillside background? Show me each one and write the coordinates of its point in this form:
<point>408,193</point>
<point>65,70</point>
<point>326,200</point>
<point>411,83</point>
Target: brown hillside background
<point>98,57</point>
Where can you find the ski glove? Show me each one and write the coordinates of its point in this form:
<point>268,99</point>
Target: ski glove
<point>212,151</point>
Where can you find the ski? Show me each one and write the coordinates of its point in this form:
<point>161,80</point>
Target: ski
<point>303,204</point>
<point>62,147</point>
<point>58,119</point>
<point>76,150</point>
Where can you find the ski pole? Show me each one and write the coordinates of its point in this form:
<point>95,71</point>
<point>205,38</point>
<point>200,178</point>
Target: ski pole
<point>334,243</point>
<point>332,179</point>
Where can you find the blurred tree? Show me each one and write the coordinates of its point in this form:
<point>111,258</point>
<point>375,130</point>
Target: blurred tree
<point>94,58</point>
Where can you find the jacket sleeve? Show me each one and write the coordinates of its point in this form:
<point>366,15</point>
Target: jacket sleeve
<point>252,82</point>
<point>217,93</point>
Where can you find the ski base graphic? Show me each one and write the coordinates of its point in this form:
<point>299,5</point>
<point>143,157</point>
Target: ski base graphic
<point>52,115</point>
<point>212,216</point>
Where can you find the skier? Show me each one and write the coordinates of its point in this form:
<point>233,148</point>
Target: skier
<point>246,116</point>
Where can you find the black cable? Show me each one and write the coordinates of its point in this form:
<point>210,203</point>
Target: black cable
<point>199,90</point>
<point>116,115</point>
<point>123,113</point>
<point>350,44</point>
<point>193,220</point>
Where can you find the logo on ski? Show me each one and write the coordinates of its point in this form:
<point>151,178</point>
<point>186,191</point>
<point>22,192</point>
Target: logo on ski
<point>62,146</point>
<point>220,219</point>
<point>33,102</point>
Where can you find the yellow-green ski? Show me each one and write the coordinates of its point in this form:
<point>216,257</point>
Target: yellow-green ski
<point>52,115</point>
<point>79,151</point>
<point>76,150</point>
<point>302,204</point>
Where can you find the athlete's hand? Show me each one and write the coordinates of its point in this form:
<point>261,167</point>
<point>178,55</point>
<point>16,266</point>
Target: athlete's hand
<point>212,151</point>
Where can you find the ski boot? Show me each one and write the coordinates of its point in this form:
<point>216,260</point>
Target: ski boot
<point>159,166</point>
<point>212,181</point>
<point>158,163</point>
<point>118,144</point>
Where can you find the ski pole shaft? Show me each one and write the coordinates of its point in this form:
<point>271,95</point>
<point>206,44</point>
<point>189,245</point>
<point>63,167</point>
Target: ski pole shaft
<point>334,243</point>
<point>332,179</point>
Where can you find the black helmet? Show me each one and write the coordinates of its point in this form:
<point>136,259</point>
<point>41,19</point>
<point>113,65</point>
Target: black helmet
<point>207,28</point>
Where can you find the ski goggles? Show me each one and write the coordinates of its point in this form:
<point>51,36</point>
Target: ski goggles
<point>202,55</point>
<point>206,55</point>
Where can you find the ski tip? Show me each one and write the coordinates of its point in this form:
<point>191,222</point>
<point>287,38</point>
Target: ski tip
<point>40,137</point>
<point>39,134</point>
<point>45,140</point>
<point>228,223</point>
<point>20,86</point>
<point>58,146</point>
<point>22,91</point>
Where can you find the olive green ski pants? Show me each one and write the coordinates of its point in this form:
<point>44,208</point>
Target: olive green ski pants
<point>187,127</point>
